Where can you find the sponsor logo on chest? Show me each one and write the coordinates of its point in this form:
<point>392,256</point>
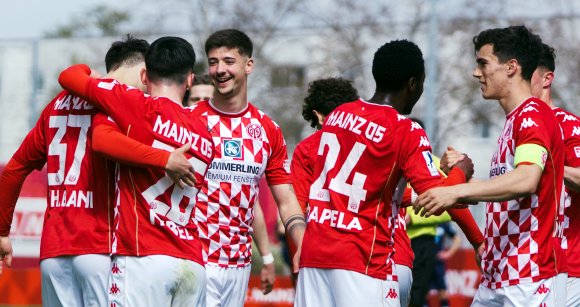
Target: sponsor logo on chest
<point>232,148</point>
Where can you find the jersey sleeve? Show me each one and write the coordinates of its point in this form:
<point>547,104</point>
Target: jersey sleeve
<point>122,103</point>
<point>30,155</point>
<point>572,144</point>
<point>301,172</point>
<point>110,141</point>
<point>415,158</point>
<point>278,167</point>
<point>531,136</point>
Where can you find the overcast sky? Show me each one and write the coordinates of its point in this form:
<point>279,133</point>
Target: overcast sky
<point>32,18</point>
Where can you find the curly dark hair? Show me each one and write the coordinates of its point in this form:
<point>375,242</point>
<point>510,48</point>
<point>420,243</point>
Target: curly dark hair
<point>325,95</point>
<point>514,42</point>
<point>395,63</point>
<point>547,58</point>
<point>129,51</point>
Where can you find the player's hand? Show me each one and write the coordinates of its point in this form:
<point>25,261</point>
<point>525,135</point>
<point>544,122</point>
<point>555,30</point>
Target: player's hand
<point>267,278</point>
<point>466,165</point>
<point>296,260</point>
<point>478,254</point>
<point>435,201</point>
<point>179,169</point>
<point>5,252</point>
<point>449,159</point>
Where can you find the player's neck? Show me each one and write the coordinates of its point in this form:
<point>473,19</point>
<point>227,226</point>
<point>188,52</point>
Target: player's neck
<point>391,99</point>
<point>234,104</point>
<point>174,92</point>
<point>515,96</point>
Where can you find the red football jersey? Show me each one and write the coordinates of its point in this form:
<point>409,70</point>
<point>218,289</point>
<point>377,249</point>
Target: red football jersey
<point>521,243</point>
<point>153,215</point>
<point>301,169</point>
<point>404,254</point>
<point>570,124</point>
<point>78,216</point>
<point>246,145</point>
<point>365,150</point>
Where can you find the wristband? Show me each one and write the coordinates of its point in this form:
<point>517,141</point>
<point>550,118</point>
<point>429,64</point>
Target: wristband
<point>268,259</point>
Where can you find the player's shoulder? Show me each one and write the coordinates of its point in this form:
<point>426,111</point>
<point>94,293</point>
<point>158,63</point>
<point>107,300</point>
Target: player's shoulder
<point>257,115</point>
<point>307,145</point>
<point>565,116</point>
<point>199,108</point>
<point>65,103</point>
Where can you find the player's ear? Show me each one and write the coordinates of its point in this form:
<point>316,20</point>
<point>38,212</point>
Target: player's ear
<point>512,67</point>
<point>249,66</point>
<point>320,117</point>
<point>144,78</point>
<point>548,78</point>
<point>190,79</point>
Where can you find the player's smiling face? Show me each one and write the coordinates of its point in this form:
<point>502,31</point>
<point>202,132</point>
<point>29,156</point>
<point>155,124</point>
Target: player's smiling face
<point>490,73</point>
<point>228,70</point>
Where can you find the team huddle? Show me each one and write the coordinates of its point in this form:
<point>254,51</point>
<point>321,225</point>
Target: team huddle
<point>152,201</point>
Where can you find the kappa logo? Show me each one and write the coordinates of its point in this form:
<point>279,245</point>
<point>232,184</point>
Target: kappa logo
<point>232,148</point>
<point>400,117</point>
<point>115,269</point>
<point>542,289</point>
<point>527,123</point>
<point>575,131</point>
<point>392,294</point>
<point>114,289</point>
<point>424,142</point>
<point>254,131</point>
<point>528,109</point>
<point>415,125</point>
<point>568,117</point>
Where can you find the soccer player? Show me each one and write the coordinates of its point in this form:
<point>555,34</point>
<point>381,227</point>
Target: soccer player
<point>247,144</point>
<point>202,89</point>
<point>541,83</point>
<point>365,150</point>
<point>323,96</point>
<point>157,253</point>
<point>521,253</point>
<point>76,236</point>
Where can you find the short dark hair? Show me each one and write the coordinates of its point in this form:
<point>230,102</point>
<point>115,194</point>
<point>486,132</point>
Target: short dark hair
<point>325,95</point>
<point>170,58</point>
<point>202,79</point>
<point>395,63</point>
<point>514,42</point>
<point>128,51</point>
<point>230,38</point>
<point>547,58</point>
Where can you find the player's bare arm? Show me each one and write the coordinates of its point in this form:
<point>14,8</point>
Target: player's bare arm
<point>291,216</point>
<point>260,235</point>
<point>520,182</point>
<point>572,178</point>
